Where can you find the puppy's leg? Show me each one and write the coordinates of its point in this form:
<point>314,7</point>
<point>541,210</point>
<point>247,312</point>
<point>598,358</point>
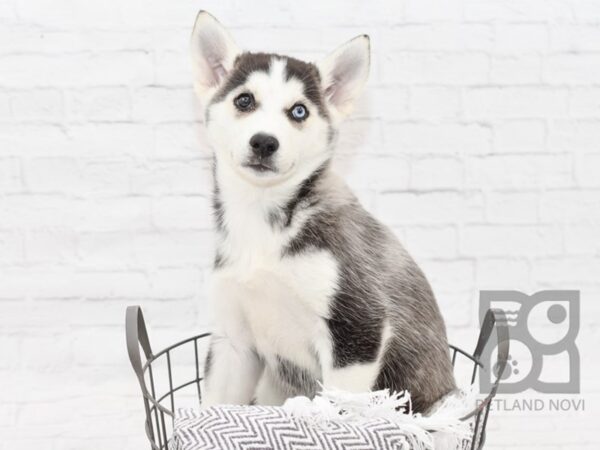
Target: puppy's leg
<point>352,378</point>
<point>233,366</point>
<point>269,391</point>
<point>233,370</point>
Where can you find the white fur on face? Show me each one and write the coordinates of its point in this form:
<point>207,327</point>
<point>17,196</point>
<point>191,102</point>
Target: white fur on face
<point>303,146</point>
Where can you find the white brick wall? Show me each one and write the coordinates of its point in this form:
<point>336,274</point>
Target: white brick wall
<point>478,141</point>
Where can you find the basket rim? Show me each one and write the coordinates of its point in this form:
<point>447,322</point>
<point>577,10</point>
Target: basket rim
<point>137,336</point>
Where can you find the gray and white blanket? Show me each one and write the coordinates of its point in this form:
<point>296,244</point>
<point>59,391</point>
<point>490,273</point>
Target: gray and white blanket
<point>333,420</point>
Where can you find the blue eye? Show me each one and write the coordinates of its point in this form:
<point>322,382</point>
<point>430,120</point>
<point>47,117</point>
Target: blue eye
<point>299,112</point>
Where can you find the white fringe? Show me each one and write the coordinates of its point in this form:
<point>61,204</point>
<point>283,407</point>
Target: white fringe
<point>441,429</point>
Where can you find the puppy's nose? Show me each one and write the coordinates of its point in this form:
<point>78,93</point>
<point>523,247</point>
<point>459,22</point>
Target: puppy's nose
<point>264,145</point>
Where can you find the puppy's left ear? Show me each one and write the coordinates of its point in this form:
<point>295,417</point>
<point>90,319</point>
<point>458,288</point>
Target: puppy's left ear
<point>344,74</point>
<point>213,55</point>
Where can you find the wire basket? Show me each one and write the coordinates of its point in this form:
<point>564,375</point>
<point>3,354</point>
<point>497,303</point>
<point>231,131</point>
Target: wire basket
<point>159,402</point>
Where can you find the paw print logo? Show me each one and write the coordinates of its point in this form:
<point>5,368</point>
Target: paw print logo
<point>543,328</point>
<point>510,369</point>
<point>518,366</point>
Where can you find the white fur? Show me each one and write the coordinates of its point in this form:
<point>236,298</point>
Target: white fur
<point>272,304</point>
<point>356,377</point>
<point>262,301</point>
<point>266,303</point>
<point>301,149</point>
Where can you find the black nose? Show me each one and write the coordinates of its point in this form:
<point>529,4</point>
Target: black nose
<point>263,145</point>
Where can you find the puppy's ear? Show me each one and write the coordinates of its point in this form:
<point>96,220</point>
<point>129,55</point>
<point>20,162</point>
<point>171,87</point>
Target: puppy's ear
<point>344,73</point>
<point>213,55</point>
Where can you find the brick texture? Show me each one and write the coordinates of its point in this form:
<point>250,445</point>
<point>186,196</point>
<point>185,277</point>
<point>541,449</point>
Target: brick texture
<point>477,141</point>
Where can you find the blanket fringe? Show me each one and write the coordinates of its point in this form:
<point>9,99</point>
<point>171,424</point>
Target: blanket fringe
<point>440,429</point>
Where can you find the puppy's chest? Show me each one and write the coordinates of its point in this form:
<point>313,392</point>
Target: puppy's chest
<point>278,301</point>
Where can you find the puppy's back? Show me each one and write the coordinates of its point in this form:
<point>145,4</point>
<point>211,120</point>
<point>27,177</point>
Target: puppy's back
<point>380,284</point>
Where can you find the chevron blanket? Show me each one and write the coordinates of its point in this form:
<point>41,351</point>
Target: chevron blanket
<point>332,420</point>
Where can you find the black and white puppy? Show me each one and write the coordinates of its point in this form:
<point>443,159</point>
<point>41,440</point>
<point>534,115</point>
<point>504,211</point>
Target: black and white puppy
<point>307,286</point>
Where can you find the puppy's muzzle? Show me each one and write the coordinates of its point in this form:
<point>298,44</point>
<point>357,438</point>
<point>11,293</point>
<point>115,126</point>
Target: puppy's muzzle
<point>263,145</point>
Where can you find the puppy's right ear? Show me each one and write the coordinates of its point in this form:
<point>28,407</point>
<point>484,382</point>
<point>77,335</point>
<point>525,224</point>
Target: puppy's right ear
<point>213,55</point>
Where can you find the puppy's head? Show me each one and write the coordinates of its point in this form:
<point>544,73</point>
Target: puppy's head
<point>270,117</point>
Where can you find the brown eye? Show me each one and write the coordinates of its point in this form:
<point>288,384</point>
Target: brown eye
<point>244,102</point>
<point>298,112</point>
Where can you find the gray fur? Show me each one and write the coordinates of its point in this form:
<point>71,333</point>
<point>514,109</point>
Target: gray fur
<point>379,281</point>
<point>304,198</point>
<point>247,63</point>
<point>218,212</point>
<point>295,380</point>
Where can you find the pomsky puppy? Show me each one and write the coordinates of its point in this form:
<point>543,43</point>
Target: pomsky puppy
<point>308,288</point>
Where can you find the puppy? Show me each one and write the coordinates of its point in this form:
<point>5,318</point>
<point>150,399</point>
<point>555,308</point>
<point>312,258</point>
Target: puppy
<point>308,288</point>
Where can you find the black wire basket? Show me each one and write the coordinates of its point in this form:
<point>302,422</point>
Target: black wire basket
<point>159,401</point>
